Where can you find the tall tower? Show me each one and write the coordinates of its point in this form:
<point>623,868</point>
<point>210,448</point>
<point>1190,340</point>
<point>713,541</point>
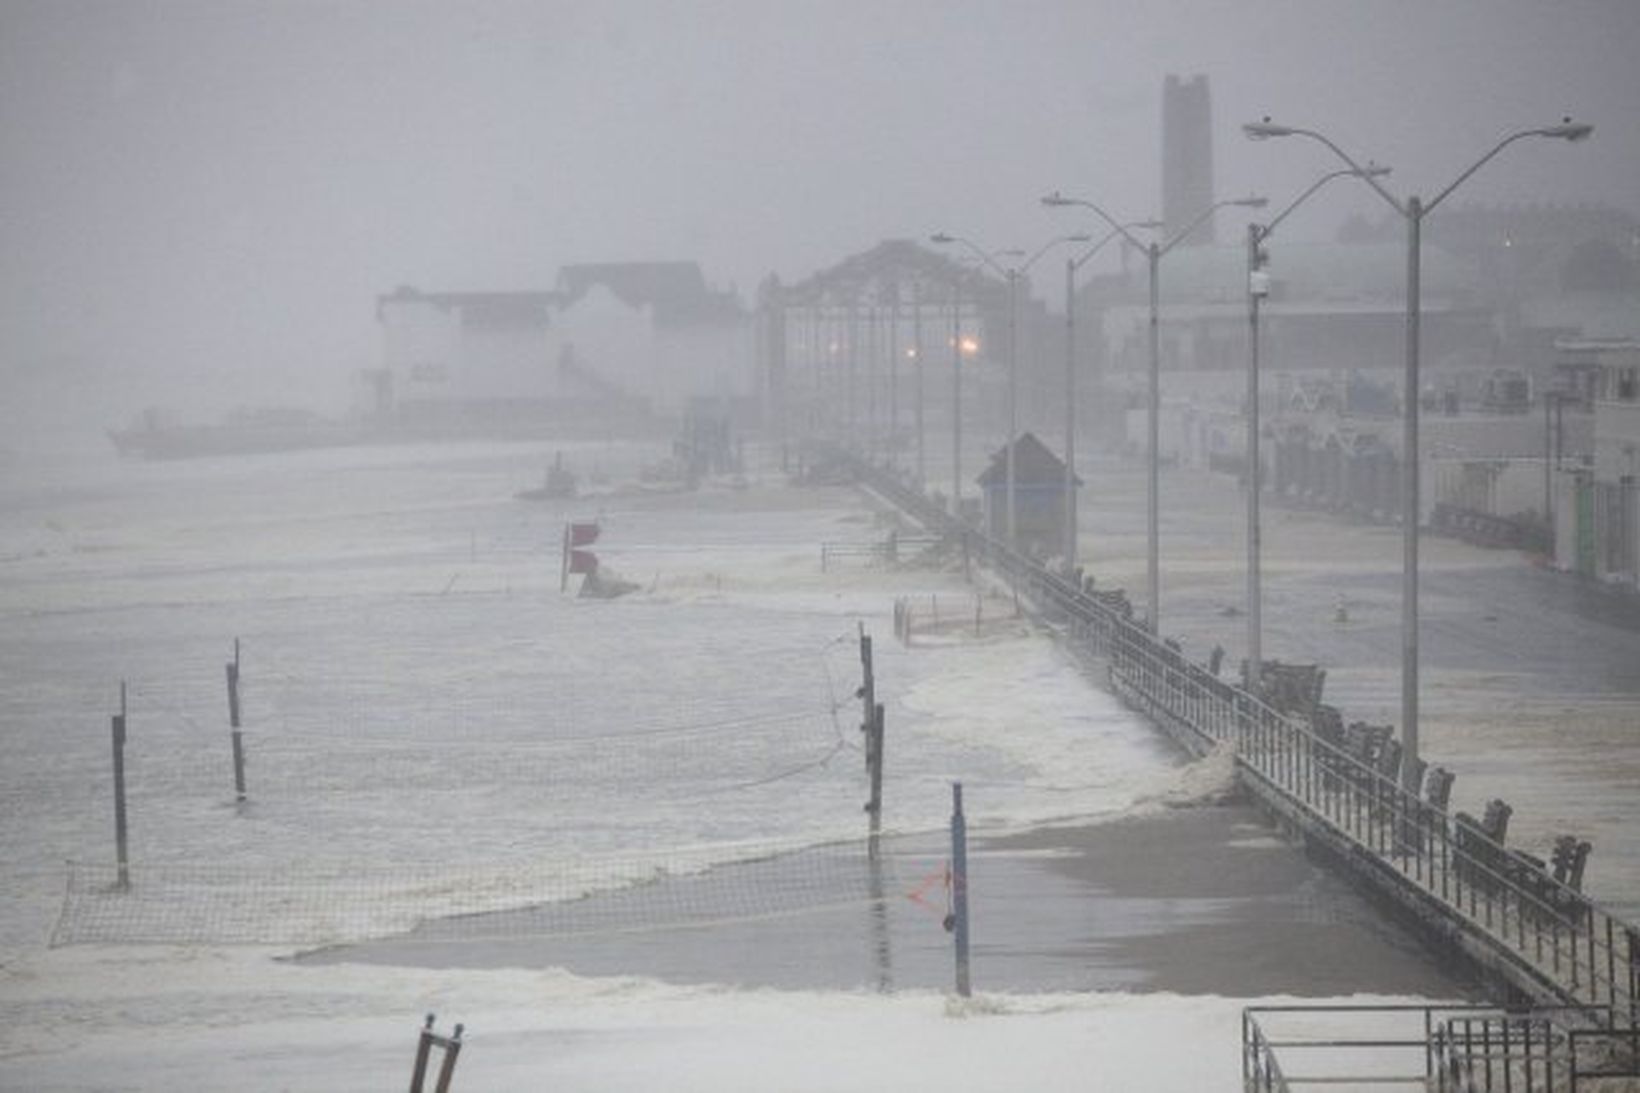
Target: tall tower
<point>1187,156</point>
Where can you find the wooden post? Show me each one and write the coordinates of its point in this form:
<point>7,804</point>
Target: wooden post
<point>233,723</point>
<point>120,857</point>
<point>875,807</point>
<point>424,1048</point>
<point>868,691</point>
<point>959,888</point>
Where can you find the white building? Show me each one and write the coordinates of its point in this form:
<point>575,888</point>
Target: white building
<point>614,340</point>
<point>1598,508</point>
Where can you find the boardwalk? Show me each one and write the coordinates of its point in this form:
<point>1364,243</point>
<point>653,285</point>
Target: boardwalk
<point>1546,941</point>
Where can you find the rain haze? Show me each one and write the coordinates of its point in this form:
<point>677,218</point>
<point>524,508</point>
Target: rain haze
<point>203,200</point>
<point>607,444</point>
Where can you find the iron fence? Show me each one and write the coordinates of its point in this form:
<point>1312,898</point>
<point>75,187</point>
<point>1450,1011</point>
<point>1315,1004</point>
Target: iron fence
<point>1461,1049</point>
<point>1551,935</point>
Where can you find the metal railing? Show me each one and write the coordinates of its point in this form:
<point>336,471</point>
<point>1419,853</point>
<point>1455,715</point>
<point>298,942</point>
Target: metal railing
<point>1385,1047</point>
<point>887,551</point>
<point>1559,943</point>
<point>1461,1049</point>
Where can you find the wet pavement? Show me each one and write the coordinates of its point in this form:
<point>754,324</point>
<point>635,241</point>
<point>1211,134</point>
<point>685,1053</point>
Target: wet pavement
<point>1530,678</point>
<point>1200,900</point>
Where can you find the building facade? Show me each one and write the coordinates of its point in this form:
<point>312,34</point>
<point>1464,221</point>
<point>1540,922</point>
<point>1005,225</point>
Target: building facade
<point>611,340</point>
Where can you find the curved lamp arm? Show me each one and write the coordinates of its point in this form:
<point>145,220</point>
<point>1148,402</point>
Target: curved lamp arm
<point>1056,200</point>
<point>1263,130</point>
<point>1372,171</point>
<point>1567,130</point>
<point>1120,229</point>
<point>1025,266</point>
<point>945,237</point>
<point>1182,233</point>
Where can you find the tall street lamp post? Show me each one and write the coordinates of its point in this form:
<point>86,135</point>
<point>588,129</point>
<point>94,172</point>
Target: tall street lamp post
<point>1012,275</point>
<point>1257,288</point>
<point>916,354</point>
<point>1153,253</point>
<point>1413,210</point>
<point>1073,264</point>
<point>956,398</point>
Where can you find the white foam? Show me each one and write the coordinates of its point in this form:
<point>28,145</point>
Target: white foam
<point>211,1018</point>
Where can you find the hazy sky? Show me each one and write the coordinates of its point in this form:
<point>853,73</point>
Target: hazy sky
<point>220,189</point>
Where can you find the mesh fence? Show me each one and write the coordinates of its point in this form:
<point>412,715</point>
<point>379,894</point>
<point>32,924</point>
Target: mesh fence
<point>377,808</point>
<point>314,904</point>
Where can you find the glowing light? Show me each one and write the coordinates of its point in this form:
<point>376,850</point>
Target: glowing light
<point>911,353</point>
<point>970,346</point>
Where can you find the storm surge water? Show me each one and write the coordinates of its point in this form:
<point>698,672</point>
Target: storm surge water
<point>434,728</point>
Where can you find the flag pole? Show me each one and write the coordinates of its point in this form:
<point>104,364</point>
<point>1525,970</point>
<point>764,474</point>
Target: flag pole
<point>563,563</point>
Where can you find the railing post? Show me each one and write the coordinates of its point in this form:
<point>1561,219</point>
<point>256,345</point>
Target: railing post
<point>959,888</point>
<point>122,861</point>
<point>233,724</point>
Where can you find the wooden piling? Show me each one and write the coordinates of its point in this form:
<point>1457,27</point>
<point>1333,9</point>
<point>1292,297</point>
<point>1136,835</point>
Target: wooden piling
<point>875,806</point>
<point>120,856</point>
<point>868,691</point>
<point>233,724</point>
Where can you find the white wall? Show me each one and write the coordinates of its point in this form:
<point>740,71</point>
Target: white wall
<point>1616,440</point>
<point>610,338</point>
<point>498,362</point>
<point>419,345</point>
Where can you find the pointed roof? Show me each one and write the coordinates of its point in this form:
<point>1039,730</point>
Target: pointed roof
<point>479,308</point>
<point>677,292</point>
<point>1033,464</point>
<point>897,270</point>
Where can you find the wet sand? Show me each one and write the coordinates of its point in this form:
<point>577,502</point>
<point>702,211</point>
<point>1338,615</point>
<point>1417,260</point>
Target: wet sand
<point>1206,900</point>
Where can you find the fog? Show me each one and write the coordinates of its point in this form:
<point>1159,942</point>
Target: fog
<point>201,201</point>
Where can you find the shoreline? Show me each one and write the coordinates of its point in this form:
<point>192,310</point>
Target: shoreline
<point>1202,900</point>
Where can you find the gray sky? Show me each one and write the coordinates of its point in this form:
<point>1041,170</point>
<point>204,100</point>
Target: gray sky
<point>218,190</point>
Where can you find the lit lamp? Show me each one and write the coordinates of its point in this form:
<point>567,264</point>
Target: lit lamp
<point>1012,275</point>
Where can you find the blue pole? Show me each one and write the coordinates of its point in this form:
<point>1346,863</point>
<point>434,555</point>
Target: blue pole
<point>959,887</point>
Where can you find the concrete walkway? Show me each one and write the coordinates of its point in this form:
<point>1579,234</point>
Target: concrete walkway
<point>1530,677</point>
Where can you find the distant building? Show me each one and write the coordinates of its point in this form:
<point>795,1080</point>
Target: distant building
<point>1597,509</point>
<point>657,330</point>
<point>1332,307</point>
<point>611,340</point>
<point>467,345</point>
<point>1187,157</point>
<point>1547,272</point>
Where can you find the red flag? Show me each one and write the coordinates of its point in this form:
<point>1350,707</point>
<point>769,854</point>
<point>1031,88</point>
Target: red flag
<point>583,561</point>
<point>583,534</point>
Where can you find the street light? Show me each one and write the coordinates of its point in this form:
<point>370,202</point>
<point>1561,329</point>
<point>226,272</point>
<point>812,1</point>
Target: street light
<point>1153,253</point>
<point>1257,287</point>
<point>1071,266</point>
<point>1011,274</point>
<point>1413,211</point>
